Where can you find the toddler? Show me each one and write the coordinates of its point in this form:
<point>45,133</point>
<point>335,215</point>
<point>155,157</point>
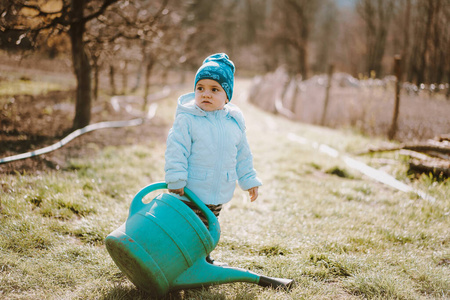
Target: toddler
<point>207,149</point>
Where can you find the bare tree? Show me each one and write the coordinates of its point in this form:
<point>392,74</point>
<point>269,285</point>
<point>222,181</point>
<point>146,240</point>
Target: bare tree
<point>294,20</point>
<point>124,35</point>
<point>440,42</point>
<point>421,38</point>
<point>377,16</point>
<point>259,35</point>
<point>406,35</point>
<point>324,37</point>
<point>72,17</point>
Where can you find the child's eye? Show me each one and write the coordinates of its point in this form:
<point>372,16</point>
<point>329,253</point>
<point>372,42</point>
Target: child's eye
<point>199,88</point>
<point>215,89</point>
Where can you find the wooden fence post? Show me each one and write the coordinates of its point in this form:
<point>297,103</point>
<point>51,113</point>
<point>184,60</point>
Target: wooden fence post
<point>296,91</point>
<point>125,77</point>
<point>112,81</point>
<point>397,71</point>
<point>327,94</point>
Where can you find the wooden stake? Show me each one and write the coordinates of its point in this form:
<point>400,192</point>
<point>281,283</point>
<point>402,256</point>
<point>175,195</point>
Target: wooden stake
<point>327,94</point>
<point>397,71</point>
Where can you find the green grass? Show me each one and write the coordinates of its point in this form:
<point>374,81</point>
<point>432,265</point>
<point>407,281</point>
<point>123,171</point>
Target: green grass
<point>339,234</point>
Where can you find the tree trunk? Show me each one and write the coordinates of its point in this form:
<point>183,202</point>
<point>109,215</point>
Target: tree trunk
<point>327,94</point>
<point>438,64</point>
<point>406,33</point>
<point>148,72</point>
<point>112,79</point>
<point>125,77</point>
<point>304,45</point>
<point>379,50</point>
<point>377,16</point>
<point>140,67</point>
<point>421,78</point>
<point>447,95</point>
<point>96,77</point>
<point>81,65</point>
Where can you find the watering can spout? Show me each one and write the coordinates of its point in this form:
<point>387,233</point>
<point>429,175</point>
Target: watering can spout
<point>203,273</point>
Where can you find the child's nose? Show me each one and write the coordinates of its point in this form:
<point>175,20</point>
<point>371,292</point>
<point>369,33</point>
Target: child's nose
<point>207,93</point>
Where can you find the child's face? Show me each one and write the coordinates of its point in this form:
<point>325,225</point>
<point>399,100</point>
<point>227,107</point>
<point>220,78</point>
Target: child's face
<point>209,95</point>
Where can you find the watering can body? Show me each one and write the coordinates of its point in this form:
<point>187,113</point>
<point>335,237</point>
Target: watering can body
<point>163,244</point>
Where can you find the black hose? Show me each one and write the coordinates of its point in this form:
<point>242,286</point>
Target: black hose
<point>275,283</point>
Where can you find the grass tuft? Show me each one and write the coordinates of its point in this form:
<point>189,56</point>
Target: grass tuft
<point>379,284</point>
<point>272,251</point>
<point>339,172</point>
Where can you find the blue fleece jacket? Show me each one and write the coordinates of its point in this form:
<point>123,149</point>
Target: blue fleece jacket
<point>208,152</point>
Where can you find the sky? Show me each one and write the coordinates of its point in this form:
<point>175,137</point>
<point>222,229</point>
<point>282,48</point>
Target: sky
<point>347,3</point>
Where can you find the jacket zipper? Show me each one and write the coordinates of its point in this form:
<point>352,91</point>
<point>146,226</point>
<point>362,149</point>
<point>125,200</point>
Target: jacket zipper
<point>220,137</point>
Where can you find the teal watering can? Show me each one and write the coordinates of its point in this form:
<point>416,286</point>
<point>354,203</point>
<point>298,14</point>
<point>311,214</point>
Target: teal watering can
<point>163,245</point>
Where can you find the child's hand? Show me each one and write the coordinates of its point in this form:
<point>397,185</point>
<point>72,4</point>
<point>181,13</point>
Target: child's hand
<point>253,193</point>
<point>177,191</point>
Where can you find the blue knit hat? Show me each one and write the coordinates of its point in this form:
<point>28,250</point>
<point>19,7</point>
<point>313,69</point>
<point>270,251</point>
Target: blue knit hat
<point>220,68</point>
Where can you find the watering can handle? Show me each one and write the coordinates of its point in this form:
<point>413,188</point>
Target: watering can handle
<point>137,205</point>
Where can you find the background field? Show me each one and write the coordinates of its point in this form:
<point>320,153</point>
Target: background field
<point>339,234</point>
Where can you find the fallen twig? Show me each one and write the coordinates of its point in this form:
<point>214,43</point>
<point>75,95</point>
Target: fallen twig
<point>432,156</point>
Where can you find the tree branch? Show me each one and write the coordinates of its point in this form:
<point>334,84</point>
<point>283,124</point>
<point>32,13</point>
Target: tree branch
<point>101,10</point>
<point>40,12</point>
<point>419,147</point>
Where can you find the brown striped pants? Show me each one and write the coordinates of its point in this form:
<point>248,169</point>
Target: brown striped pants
<point>214,208</point>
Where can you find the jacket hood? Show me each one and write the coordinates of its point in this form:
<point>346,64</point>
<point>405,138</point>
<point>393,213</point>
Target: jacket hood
<point>186,104</point>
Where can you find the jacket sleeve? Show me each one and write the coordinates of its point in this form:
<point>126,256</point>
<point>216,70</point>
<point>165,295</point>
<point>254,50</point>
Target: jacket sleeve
<point>244,167</point>
<point>178,149</point>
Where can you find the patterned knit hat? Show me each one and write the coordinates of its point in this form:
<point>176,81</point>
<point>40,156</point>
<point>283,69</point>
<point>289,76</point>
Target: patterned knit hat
<point>220,68</point>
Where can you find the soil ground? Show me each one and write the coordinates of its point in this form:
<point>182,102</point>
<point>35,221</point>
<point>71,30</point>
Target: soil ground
<point>33,121</point>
